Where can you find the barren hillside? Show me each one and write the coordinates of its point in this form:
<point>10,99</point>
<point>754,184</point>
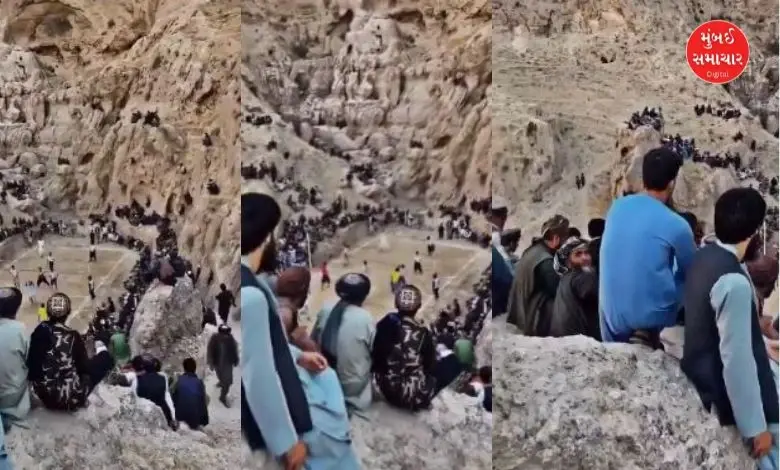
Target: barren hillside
<point>77,79</point>
<point>401,84</point>
<point>570,73</point>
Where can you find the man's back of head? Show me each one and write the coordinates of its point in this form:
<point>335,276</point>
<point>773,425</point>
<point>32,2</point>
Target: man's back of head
<point>660,168</point>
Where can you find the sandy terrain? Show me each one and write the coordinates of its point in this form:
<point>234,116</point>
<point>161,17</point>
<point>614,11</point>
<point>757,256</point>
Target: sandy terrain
<point>72,266</point>
<point>454,262</point>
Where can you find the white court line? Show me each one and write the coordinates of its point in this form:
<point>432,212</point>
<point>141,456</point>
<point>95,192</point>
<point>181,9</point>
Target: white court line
<point>459,274</point>
<point>87,299</point>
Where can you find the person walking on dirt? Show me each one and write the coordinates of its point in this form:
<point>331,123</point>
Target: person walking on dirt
<point>325,283</point>
<point>53,279</point>
<point>418,269</point>
<point>225,300</point>
<point>435,285</point>
<point>15,276</point>
<point>42,279</point>
<point>50,260</point>
<point>91,287</point>
<point>431,246</point>
<point>40,247</point>
<point>222,356</point>
<point>92,253</point>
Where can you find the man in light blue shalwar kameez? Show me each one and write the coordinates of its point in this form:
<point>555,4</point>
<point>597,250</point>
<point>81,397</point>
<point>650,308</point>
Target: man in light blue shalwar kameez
<point>330,442</point>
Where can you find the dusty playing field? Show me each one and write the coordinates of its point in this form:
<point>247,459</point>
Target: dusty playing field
<point>452,261</point>
<point>71,264</point>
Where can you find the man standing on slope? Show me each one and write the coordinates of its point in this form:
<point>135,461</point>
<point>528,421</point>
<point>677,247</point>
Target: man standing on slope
<point>645,253</point>
<point>724,354</point>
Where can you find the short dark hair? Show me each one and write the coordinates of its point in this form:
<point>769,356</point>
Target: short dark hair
<point>189,365</point>
<point>574,232</point>
<point>486,374</point>
<point>660,168</point>
<point>596,227</point>
<point>260,214</point>
<point>499,213</point>
<point>692,220</point>
<point>739,213</point>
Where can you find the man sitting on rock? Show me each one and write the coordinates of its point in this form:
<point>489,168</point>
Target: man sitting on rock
<point>189,397</point>
<point>724,354</point>
<point>148,382</point>
<point>292,289</point>
<point>344,330</point>
<point>327,406</point>
<point>576,306</point>
<point>14,344</point>
<point>60,371</point>
<point>535,282</point>
<point>645,253</point>
<point>406,368</point>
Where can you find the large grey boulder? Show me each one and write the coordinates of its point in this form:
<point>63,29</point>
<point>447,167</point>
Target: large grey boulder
<point>165,317</point>
<point>574,403</point>
<point>454,435</point>
<point>119,432</point>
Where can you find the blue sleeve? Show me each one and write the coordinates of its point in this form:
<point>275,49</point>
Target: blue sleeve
<point>684,247</point>
<point>264,393</point>
<point>732,299</point>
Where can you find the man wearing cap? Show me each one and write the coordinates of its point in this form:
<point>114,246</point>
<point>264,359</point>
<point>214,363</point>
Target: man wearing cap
<point>576,308</point>
<point>60,370</point>
<point>535,283</point>
<point>404,355</point>
<point>14,391</point>
<point>646,250</point>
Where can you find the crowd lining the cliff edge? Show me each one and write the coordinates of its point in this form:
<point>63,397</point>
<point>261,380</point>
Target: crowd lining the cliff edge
<point>57,367</point>
<point>298,405</point>
<point>647,268</point>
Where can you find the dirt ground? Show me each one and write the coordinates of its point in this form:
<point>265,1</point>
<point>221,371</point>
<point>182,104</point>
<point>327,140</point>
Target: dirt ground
<point>452,260</point>
<point>72,266</point>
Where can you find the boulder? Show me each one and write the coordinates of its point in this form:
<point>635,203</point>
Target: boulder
<point>455,434</point>
<point>575,403</point>
<point>167,315</point>
<point>118,431</point>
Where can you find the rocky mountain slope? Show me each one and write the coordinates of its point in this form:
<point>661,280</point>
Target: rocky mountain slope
<point>569,74</point>
<point>80,85</point>
<point>402,84</point>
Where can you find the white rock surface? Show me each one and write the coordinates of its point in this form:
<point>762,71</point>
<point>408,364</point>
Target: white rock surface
<point>575,403</point>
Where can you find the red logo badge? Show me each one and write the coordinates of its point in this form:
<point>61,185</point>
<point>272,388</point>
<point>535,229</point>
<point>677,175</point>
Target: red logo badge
<point>717,52</point>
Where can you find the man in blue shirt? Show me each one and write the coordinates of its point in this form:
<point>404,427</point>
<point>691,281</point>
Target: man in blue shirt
<point>645,253</point>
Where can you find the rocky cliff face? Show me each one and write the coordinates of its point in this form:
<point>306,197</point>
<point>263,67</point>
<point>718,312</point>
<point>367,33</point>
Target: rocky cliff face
<point>575,403</point>
<point>402,84</point>
<point>570,73</point>
<point>77,79</point>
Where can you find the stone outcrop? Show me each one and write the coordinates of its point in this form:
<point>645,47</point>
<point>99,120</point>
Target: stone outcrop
<point>575,403</point>
<point>454,434</point>
<point>165,317</point>
<point>119,431</point>
<point>402,84</point>
<point>77,79</point>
